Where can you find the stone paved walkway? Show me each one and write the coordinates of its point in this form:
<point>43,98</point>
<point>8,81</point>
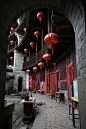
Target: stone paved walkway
<point>52,115</point>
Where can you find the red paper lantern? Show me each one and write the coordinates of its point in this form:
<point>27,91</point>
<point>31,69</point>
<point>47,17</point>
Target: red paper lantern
<point>40,16</point>
<point>51,39</point>
<point>28,71</point>
<point>11,58</point>
<point>25,50</point>
<point>47,57</point>
<point>12,29</point>
<point>35,69</point>
<point>24,29</point>
<point>11,42</point>
<point>41,65</point>
<point>36,34</point>
<point>32,44</point>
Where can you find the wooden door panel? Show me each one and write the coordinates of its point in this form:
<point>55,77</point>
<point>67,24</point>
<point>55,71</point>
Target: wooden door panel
<point>52,83</point>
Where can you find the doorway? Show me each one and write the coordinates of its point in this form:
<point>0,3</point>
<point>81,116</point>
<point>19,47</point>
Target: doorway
<point>20,84</point>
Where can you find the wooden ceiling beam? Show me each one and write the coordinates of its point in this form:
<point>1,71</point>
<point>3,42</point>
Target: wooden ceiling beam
<point>61,30</point>
<point>65,35</point>
<point>37,28</point>
<point>58,17</point>
<point>61,45</point>
<point>61,25</point>
<point>64,40</point>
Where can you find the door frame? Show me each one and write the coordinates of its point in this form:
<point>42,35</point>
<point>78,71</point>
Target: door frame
<point>57,72</point>
<point>68,79</point>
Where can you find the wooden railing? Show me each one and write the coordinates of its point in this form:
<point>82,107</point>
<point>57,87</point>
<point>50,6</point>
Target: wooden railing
<point>35,59</point>
<point>41,53</point>
<point>23,18</point>
<point>32,61</point>
<point>15,45</point>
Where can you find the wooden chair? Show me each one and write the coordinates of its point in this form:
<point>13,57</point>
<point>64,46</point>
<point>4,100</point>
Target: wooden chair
<point>49,94</point>
<point>34,91</point>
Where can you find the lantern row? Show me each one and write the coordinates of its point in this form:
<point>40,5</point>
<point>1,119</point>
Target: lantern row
<point>51,39</point>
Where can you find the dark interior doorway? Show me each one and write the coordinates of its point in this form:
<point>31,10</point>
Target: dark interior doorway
<point>20,84</point>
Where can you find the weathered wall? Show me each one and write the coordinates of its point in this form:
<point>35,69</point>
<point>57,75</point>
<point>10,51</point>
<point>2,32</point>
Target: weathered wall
<point>18,66</point>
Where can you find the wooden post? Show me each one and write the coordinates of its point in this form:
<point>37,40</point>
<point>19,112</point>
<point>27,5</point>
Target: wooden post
<point>36,52</point>
<point>48,22</point>
<point>45,80</point>
<point>42,40</point>
<point>42,43</point>
<point>29,57</point>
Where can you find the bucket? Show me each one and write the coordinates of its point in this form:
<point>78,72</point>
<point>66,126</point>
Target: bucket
<point>26,98</point>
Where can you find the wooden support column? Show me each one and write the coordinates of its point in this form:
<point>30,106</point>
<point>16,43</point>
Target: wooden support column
<point>36,52</point>
<point>45,79</point>
<point>42,40</point>
<point>42,43</point>
<point>29,57</point>
<point>48,24</point>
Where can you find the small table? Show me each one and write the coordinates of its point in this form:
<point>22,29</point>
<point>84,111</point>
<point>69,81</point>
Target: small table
<point>28,106</point>
<point>59,95</point>
<point>75,105</point>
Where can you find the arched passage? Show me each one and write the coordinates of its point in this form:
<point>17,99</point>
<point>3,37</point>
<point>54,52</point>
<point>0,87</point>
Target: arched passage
<point>10,10</point>
<point>20,80</point>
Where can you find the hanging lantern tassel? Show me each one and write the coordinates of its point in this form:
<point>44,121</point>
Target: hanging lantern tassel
<point>47,57</point>
<point>11,42</point>
<point>40,16</point>
<point>36,34</point>
<point>40,19</point>
<point>41,65</point>
<point>11,58</point>
<point>32,44</point>
<point>35,69</point>
<point>51,39</point>
<point>47,62</point>
<point>51,46</point>
<point>12,29</point>
<point>28,71</point>
<point>24,29</point>
<point>25,50</point>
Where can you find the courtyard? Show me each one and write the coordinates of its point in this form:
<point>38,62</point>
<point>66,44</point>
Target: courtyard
<point>50,115</point>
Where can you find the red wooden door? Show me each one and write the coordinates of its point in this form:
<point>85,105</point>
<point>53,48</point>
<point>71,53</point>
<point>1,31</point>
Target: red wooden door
<point>70,80</point>
<point>52,83</point>
<point>70,83</point>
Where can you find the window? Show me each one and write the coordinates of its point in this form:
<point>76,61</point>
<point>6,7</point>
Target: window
<point>25,59</point>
